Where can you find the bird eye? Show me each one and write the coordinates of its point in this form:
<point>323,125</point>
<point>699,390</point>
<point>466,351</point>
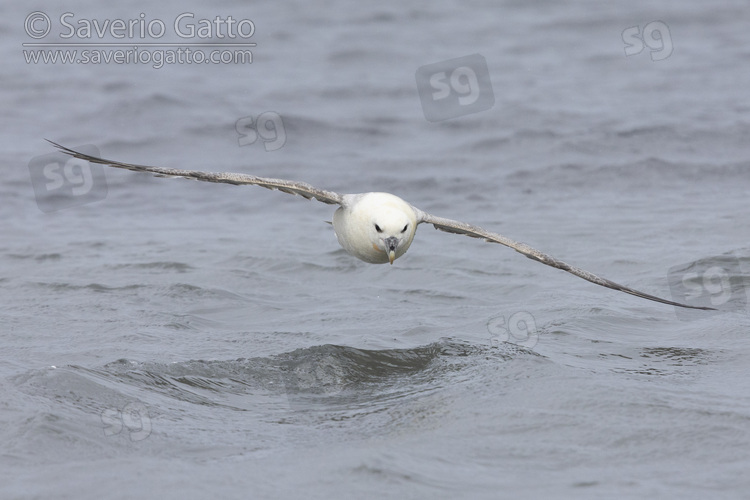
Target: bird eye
<point>404,229</point>
<point>377,228</point>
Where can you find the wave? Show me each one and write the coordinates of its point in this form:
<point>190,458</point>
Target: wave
<point>318,377</point>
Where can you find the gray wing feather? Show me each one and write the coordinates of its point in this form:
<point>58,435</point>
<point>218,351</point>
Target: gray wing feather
<point>299,188</point>
<point>457,227</point>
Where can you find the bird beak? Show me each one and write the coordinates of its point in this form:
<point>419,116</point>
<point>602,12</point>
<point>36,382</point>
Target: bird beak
<point>390,247</point>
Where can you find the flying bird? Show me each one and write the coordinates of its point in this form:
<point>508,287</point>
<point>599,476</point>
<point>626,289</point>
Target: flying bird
<point>374,227</point>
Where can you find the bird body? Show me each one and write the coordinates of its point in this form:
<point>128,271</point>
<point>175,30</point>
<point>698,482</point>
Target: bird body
<point>375,227</point>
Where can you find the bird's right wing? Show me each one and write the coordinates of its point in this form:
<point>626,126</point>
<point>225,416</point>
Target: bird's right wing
<point>300,188</point>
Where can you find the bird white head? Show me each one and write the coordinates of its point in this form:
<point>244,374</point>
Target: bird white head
<point>375,227</point>
<point>389,232</point>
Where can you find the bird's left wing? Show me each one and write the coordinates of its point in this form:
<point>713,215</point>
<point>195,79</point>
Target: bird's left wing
<point>300,188</point>
<point>457,227</point>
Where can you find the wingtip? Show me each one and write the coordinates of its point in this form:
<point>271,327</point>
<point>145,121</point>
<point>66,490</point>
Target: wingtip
<point>61,147</point>
<point>705,308</point>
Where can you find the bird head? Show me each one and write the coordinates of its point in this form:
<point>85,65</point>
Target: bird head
<point>391,231</point>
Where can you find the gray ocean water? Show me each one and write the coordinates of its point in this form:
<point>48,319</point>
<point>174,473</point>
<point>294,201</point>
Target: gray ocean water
<point>164,338</point>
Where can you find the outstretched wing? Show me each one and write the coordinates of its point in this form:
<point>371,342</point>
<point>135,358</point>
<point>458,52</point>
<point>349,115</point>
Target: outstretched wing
<point>452,226</point>
<point>300,188</point>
